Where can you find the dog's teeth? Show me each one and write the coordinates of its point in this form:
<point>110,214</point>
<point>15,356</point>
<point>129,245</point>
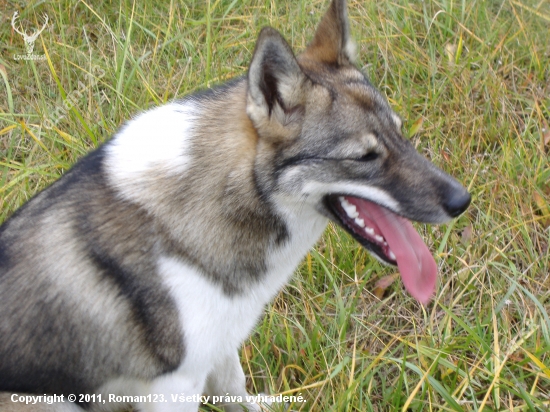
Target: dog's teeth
<point>350,209</point>
<point>344,202</point>
<point>378,238</point>
<point>360,222</point>
<point>391,255</point>
<point>369,231</point>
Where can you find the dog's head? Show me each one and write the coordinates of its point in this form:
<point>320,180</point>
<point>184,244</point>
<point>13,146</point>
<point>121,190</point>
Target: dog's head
<point>329,140</point>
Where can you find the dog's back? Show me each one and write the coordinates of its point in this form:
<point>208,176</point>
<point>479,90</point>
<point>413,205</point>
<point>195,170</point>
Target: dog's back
<point>63,284</point>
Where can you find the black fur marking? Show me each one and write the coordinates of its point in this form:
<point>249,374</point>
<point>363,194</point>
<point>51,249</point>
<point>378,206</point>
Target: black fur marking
<point>138,295</point>
<point>41,381</point>
<point>118,238</point>
<point>40,343</point>
<point>4,257</point>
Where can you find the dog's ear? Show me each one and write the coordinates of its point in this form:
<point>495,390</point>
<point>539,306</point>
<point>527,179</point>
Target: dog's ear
<point>276,85</point>
<point>332,43</point>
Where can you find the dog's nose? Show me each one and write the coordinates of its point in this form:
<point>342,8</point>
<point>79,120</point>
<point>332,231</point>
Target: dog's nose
<point>457,202</point>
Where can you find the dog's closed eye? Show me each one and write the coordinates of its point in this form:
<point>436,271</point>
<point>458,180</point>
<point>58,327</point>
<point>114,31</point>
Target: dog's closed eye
<point>368,157</point>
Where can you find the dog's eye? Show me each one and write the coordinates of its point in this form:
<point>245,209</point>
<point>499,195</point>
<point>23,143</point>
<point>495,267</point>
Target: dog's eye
<point>368,157</point>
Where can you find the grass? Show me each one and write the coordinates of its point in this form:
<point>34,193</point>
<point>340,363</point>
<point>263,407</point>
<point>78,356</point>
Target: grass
<point>472,80</point>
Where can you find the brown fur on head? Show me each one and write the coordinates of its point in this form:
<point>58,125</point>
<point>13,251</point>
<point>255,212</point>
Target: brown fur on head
<point>332,43</point>
<point>278,82</point>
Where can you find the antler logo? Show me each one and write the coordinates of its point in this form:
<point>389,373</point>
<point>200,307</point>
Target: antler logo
<point>28,38</point>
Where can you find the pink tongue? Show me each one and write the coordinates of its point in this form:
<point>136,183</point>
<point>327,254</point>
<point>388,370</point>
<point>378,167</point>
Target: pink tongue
<point>414,260</point>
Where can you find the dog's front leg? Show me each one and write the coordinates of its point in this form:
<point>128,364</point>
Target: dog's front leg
<point>174,392</point>
<point>225,382</point>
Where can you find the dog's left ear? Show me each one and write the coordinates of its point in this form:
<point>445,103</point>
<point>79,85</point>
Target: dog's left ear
<point>332,43</point>
<point>276,87</point>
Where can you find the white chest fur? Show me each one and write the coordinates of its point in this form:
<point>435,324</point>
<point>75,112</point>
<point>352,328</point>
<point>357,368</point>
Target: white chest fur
<point>215,324</point>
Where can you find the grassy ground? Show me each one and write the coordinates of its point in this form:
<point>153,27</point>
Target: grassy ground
<point>472,79</point>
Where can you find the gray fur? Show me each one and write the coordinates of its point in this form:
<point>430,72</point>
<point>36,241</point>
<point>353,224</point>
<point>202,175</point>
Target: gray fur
<point>81,302</point>
<point>68,251</point>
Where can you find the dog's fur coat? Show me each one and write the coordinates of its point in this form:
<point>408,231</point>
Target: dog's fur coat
<point>144,268</point>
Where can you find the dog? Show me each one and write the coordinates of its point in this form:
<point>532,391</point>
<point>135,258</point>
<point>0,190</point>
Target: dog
<point>143,269</point>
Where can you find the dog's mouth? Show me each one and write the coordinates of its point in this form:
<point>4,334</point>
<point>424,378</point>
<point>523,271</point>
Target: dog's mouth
<point>391,238</point>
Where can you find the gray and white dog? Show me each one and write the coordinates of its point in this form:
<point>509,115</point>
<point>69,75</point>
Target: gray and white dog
<point>142,270</point>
